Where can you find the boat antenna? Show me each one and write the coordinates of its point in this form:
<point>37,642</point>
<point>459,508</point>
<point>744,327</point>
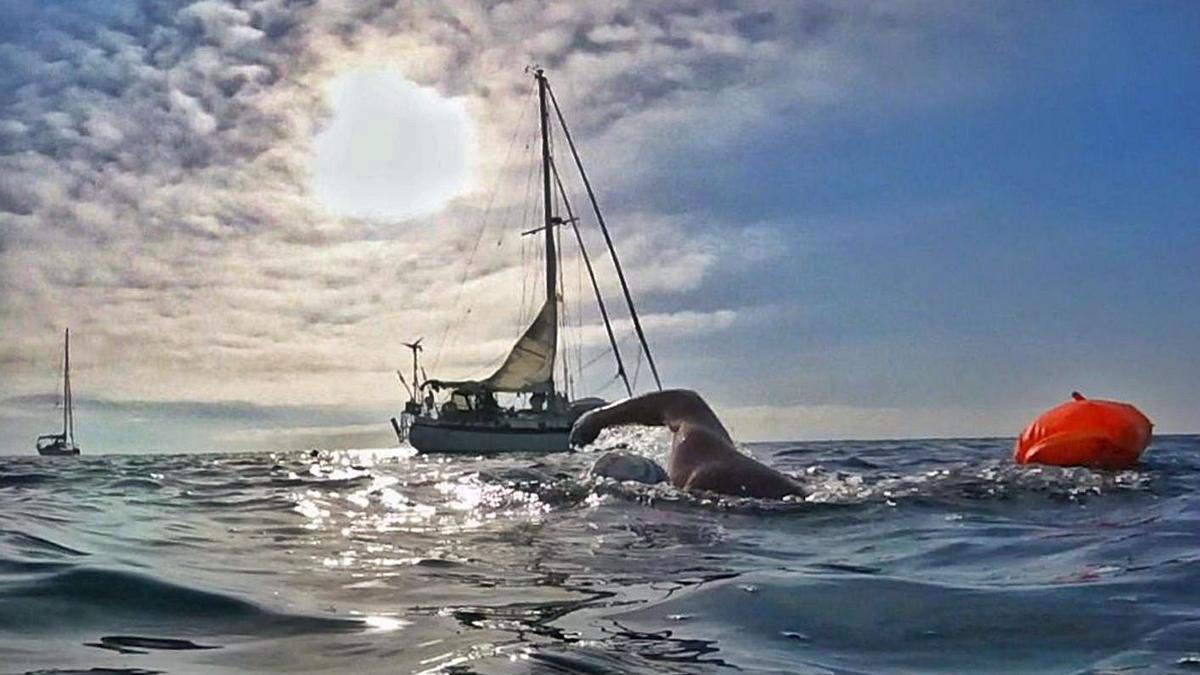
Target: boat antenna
<point>587,261</point>
<point>403,382</point>
<point>637,324</point>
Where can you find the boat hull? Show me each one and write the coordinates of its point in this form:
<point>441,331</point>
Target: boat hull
<point>435,436</point>
<point>58,450</point>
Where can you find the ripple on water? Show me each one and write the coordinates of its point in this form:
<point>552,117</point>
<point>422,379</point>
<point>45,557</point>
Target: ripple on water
<point>915,556</point>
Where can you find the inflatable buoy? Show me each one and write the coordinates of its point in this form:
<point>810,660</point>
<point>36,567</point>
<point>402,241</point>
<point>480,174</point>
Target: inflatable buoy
<point>1083,432</point>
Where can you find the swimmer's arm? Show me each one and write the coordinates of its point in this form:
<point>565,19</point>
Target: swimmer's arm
<point>670,408</point>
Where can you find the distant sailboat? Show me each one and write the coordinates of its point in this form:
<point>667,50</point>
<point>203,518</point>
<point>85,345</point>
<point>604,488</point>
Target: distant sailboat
<point>64,443</point>
<point>470,419</point>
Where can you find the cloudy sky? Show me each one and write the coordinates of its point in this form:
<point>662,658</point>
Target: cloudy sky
<point>863,219</point>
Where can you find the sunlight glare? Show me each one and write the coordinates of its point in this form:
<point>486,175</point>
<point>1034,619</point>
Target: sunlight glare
<point>392,149</point>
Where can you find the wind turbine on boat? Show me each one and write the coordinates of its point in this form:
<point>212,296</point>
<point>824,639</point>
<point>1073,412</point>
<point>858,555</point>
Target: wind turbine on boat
<point>416,349</point>
<point>414,392</point>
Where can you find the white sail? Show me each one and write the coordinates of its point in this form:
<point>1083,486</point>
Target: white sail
<point>529,366</point>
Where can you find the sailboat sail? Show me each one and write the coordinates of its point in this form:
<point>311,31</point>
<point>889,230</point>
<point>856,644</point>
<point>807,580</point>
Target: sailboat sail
<point>529,366</point>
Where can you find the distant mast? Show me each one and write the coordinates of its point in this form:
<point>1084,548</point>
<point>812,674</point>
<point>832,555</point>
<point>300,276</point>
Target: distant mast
<point>68,414</point>
<point>64,443</point>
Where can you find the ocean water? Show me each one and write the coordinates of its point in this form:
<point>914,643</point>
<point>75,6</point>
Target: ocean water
<point>910,557</point>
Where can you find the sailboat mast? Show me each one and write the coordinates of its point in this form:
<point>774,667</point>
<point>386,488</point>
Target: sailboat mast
<point>551,256</point>
<point>67,422</point>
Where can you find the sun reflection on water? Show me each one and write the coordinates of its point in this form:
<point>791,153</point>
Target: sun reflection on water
<point>366,519</point>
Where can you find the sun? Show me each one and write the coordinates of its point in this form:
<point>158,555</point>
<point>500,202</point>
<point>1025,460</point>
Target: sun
<point>392,149</point>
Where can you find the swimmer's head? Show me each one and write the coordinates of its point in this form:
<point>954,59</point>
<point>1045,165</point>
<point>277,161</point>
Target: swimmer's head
<point>624,466</point>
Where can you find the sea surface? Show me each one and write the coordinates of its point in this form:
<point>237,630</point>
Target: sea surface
<point>909,557</point>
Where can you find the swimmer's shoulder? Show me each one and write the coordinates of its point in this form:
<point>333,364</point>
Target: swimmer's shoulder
<point>698,436</point>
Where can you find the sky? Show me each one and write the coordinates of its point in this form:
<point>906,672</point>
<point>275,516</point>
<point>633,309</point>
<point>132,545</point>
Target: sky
<point>839,219</point>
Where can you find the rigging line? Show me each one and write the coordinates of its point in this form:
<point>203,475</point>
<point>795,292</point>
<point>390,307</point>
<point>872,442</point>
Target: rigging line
<point>592,390</point>
<point>68,422</point>
<point>578,314</point>
<point>70,400</point>
<point>455,326</point>
<point>612,340</point>
<point>604,387</point>
<point>483,223</point>
<point>560,299</point>
<point>531,280</point>
<point>527,309</point>
<point>563,337</point>
<point>524,284</point>
<point>507,154</point>
<point>539,252</point>
<point>637,368</point>
<point>578,317</point>
<point>67,385</point>
<point>637,324</point>
<point>595,359</point>
<point>573,319</point>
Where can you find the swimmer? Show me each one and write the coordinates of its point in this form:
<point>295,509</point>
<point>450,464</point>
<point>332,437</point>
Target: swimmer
<point>703,456</point>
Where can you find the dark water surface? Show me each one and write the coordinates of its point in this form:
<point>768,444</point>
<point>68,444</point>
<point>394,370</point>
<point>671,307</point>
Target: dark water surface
<point>911,556</point>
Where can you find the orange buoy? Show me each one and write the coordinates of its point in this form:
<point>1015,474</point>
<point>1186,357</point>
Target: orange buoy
<point>1083,432</point>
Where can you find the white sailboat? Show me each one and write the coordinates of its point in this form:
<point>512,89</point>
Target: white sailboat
<point>64,443</point>
<point>468,419</point>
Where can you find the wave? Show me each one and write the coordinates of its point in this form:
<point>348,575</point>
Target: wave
<point>913,555</point>
<point>27,544</point>
<point>92,597</point>
<point>14,480</point>
<point>136,644</point>
<point>95,671</point>
<point>770,620</point>
<point>834,489</point>
<point>136,483</point>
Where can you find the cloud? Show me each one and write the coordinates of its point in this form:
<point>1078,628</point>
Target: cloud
<point>156,162</point>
